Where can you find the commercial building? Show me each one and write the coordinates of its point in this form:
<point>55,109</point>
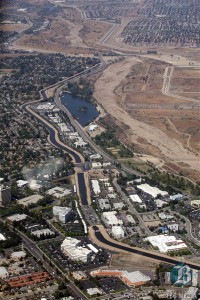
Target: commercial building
<point>96,165</point>
<point>93,291</point>
<point>130,219</point>
<point>5,195</point>
<point>71,247</point>
<point>165,217</point>
<point>104,204</point>
<point>18,218</point>
<point>58,192</point>
<point>63,213</point>
<point>135,198</point>
<point>42,232</point>
<point>152,191</point>
<point>118,205</point>
<point>117,232</point>
<point>167,243</point>
<point>95,187</point>
<point>33,199</point>
<point>110,218</point>
<point>134,279</point>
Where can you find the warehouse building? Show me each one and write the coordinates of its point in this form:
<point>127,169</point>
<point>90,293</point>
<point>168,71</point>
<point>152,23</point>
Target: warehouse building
<point>110,218</point>
<point>166,243</point>
<point>117,232</point>
<point>152,191</point>
<point>134,279</point>
<point>71,247</point>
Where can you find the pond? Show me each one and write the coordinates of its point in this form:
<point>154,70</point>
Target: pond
<point>84,111</point>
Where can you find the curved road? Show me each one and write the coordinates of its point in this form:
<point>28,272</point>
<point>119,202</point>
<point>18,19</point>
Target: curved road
<point>157,256</point>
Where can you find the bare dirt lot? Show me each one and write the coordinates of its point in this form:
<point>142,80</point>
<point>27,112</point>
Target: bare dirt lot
<point>157,123</point>
<point>131,262</point>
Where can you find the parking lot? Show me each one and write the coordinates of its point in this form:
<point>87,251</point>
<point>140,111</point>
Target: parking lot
<point>52,249</point>
<point>111,285</point>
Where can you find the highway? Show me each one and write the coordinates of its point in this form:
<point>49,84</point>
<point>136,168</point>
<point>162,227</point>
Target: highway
<point>146,253</point>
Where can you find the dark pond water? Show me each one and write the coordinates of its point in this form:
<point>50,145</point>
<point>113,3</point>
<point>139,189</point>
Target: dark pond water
<point>82,110</point>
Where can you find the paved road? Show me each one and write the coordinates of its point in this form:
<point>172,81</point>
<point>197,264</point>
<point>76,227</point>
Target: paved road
<point>150,254</point>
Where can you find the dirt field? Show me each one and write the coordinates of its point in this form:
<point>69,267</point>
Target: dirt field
<point>164,131</point>
<point>92,31</point>
<point>131,262</point>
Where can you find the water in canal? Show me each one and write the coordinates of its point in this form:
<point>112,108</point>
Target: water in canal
<point>81,109</point>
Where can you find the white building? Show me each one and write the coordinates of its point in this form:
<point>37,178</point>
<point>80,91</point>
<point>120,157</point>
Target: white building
<point>21,183</point>
<point>96,165</point>
<point>59,192</point>
<point>3,273</point>
<point>165,217</point>
<point>160,203</point>
<point>118,205</point>
<point>135,198</point>
<point>92,127</point>
<point>71,248</point>
<point>42,232</point>
<point>130,219</point>
<point>110,218</point>
<point>95,156</point>
<point>63,213</point>
<point>117,232</point>
<point>93,291</point>
<point>2,237</point>
<point>152,191</point>
<point>95,187</point>
<point>167,243</point>
<point>18,255</point>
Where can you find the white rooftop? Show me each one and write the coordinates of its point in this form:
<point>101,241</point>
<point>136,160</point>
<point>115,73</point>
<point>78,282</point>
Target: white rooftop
<point>95,186</point>
<point>111,218</point>
<point>2,237</point>
<point>135,198</point>
<point>153,191</point>
<point>166,243</point>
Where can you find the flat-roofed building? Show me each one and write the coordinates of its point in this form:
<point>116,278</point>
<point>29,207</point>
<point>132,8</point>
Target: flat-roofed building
<point>18,255</point>
<point>63,213</point>
<point>3,273</point>
<point>71,247</point>
<point>104,204</point>
<point>110,218</point>
<point>33,199</point>
<point>152,191</point>
<point>18,218</point>
<point>95,187</point>
<point>42,232</point>
<point>117,232</point>
<point>167,243</point>
<point>58,192</point>
<point>135,198</point>
<point>134,279</point>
